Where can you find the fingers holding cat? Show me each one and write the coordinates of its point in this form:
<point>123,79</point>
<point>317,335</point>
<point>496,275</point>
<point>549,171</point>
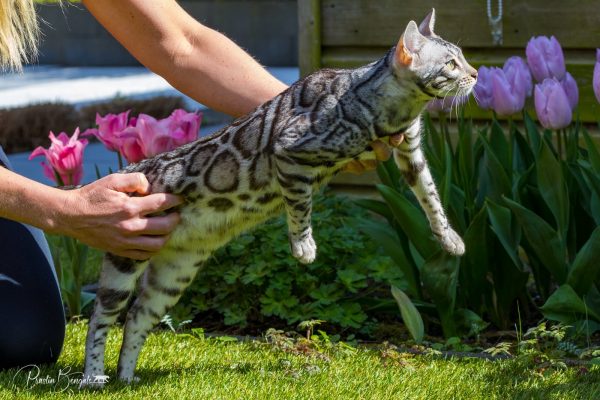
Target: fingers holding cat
<point>382,150</point>
<point>103,215</point>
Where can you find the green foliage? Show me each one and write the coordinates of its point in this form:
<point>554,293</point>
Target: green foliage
<point>524,210</point>
<point>76,264</point>
<point>255,277</point>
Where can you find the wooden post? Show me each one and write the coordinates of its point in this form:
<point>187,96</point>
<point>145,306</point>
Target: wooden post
<point>309,36</point>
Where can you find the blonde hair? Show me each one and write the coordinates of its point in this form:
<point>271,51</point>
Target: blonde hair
<point>19,33</point>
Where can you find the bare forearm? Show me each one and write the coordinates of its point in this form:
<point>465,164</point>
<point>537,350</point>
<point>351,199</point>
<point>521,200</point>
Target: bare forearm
<point>219,74</point>
<point>30,202</point>
<point>197,60</point>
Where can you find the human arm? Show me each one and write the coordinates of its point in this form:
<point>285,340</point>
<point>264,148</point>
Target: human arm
<point>198,61</point>
<point>100,214</point>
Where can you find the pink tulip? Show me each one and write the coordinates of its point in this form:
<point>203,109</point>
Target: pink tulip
<point>184,125</point>
<point>545,58</point>
<point>142,137</point>
<point>596,77</point>
<point>109,128</point>
<point>129,145</point>
<point>552,105</point>
<point>154,137</point>
<point>64,157</point>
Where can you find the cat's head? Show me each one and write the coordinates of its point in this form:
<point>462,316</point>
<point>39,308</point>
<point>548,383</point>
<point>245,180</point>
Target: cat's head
<point>437,66</point>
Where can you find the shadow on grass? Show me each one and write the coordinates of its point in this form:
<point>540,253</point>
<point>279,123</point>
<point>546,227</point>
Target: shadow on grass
<point>517,379</point>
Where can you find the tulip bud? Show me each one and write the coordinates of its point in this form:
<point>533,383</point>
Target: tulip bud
<point>518,74</point>
<point>552,105</point>
<point>507,100</point>
<point>483,88</point>
<point>596,79</point>
<point>545,58</point>
<point>571,90</point>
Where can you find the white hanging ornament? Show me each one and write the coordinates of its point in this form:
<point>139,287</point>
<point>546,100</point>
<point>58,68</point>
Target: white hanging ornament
<point>495,23</point>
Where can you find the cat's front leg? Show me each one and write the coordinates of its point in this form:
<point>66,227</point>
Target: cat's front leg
<point>412,163</point>
<point>296,188</point>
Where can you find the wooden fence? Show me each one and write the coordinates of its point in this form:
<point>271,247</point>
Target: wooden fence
<point>348,33</point>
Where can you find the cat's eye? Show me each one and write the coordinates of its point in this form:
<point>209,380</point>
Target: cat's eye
<point>451,65</point>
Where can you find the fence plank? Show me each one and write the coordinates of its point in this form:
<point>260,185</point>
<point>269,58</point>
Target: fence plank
<point>309,35</point>
<point>381,22</point>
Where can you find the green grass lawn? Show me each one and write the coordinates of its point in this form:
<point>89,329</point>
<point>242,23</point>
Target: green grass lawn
<point>175,366</point>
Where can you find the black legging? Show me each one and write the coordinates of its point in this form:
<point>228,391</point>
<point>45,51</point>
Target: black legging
<point>32,327</point>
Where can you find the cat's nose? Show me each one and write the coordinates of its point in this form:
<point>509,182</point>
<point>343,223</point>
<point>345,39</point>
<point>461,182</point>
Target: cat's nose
<point>473,72</point>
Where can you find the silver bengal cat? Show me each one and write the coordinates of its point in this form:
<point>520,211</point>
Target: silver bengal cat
<point>273,160</point>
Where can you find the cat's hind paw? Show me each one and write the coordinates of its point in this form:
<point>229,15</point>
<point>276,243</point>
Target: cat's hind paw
<point>304,250</point>
<point>129,379</point>
<point>453,243</point>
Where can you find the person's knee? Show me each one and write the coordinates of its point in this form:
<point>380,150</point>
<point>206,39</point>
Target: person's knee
<point>37,344</point>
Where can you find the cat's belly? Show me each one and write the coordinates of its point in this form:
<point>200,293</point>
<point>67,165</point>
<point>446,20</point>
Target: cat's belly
<point>203,229</point>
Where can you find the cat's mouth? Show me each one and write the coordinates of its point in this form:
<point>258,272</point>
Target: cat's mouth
<point>460,89</point>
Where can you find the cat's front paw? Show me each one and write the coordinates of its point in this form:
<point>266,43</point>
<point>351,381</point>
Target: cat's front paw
<point>453,243</point>
<point>304,250</point>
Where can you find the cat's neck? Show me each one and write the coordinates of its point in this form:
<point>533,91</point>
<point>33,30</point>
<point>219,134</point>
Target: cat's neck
<point>393,93</point>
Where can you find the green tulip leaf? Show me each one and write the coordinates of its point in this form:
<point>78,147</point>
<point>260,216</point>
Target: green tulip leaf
<point>412,221</point>
<point>532,132</point>
<point>498,182</point>
<point>387,238</point>
<point>474,264</point>
<point>553,188</point>
<point>410,315</point>
<point>544,240</point>
<point>439,275</point>
<point>593,153</point>
<point>376,206</point>
<point>506,230</point>
<point>499,145</point>
<point>586,266</point>
<point>564,305</point>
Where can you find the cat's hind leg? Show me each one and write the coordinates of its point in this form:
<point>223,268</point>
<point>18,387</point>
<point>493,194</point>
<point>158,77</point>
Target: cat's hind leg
<point>160,288</point>
<point>117,283</point>
<point>296,187</point>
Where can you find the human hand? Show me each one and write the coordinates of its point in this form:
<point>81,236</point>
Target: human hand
<point>103,215</point>
<point>382,151</point>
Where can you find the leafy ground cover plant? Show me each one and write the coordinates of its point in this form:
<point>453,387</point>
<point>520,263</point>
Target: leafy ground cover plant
<point>254,279</point>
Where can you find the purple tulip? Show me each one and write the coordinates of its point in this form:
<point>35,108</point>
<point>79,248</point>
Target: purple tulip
<point>507,99</point>
<point>571,90</point>
<point>596,80</point>
<point>483,88</point>
<point>552,105</point>
<point>518,74</point>
<point>545,58</point>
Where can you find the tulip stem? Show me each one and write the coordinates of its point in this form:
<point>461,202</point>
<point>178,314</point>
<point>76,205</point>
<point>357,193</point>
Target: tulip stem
<point>120,160</point>
<point>559,143</point>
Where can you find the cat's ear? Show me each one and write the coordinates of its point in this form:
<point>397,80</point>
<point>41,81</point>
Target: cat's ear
<point>410,43</point>
<point>426,27</point>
